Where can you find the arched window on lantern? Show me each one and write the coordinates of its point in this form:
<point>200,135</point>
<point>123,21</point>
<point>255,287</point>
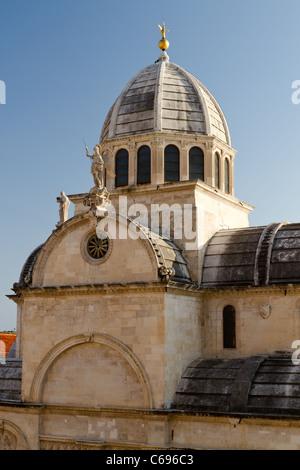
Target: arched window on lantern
<point>227,176</point>
<point>229,327</point>
<point>196,164</point>
<point>144,165</point>
<point>217,170</point>
<point>171,163</point>
<point>122,168</point>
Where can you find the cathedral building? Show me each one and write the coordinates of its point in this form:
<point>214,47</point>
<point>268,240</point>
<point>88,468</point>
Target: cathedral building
<point>160,319</point>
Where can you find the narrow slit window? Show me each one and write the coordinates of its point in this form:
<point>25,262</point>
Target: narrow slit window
<point>171,163</point>
<point>144,165</point>
<point>217,171</point>
<point>122,168</point>
<point>196,164</point>
<point>227,176</point>
<point>229,327</point>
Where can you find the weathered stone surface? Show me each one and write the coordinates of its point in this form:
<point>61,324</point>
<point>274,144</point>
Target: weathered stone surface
<point>253,257</point>
<point>259,385</point>
<point>164,97</point>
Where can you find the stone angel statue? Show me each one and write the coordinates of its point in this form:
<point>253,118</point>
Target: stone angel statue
<point>100,162</point>
<point>97,167</point>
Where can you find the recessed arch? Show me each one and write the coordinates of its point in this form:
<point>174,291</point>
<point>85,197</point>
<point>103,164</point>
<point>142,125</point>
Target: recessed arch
<point>53,355</point>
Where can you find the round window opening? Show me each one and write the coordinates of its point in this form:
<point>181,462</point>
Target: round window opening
<point>97,246</point>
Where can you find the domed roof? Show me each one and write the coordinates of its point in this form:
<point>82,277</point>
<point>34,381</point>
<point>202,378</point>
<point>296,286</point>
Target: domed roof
<point>254,256</point>
<point>164,97</point>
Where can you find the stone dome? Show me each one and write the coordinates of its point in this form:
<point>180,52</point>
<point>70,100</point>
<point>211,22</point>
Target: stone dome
<point>164,97</point>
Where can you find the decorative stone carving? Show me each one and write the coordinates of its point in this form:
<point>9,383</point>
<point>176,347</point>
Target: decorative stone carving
<point>98,201</point>
<point>209,145</point>
<point>105,248</point>
<point>64,204</point>
<point>265,311</point>
<point>132,145</point>
<point>158,141</point>
<point>8,441</point>
<point>184,144</point>
<point>165,273</point>
<point>48,443</point>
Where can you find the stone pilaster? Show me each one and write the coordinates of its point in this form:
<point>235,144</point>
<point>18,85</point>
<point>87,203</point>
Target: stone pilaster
<point>157,161</point>
<point>209,164</point>
<point>184,161</point>
<point>132,164</point>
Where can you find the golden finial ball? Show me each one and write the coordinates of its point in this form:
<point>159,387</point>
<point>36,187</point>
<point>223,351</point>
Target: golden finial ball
<point>163,44</point>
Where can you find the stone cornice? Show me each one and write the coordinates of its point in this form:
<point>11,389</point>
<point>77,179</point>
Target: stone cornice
<point>154,414</point>
<point>169,187</point>
<point>110,288</point>
<point>276,289</point>
<point>158,287</point>
<point>149,136</point>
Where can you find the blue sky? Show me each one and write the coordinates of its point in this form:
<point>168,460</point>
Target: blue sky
<point>64,62</point>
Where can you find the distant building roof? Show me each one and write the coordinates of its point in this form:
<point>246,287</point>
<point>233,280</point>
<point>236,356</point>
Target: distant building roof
<point>8,340</point>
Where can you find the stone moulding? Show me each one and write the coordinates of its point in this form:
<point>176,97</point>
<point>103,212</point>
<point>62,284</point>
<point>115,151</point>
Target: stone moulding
<point>44,367</point>
<point>11,437</point>
<point>53,241</point>
<point>106,289</point>
<point>65,443</point>
<point>70,226</point>
<point>84,253</point>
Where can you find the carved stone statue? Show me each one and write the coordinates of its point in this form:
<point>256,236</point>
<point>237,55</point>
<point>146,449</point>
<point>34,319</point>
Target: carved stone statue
<point>97,168</point>
<point>165,273</point>
<point>98,197</point>
<point>64,204</point>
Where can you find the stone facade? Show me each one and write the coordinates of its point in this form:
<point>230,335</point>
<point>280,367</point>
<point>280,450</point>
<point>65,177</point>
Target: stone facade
<point>122,341</point>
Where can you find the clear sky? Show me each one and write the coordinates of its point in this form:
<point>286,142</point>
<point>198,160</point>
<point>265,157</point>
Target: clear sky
<point>64,62</point>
